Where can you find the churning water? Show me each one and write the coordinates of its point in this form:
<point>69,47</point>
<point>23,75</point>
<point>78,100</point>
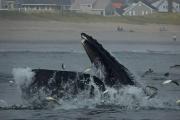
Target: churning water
<point>128,103</point>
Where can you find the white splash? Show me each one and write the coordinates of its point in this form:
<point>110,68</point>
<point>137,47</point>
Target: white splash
<point>3,103</point>
<point>22,76</point>
<point>129,97</point>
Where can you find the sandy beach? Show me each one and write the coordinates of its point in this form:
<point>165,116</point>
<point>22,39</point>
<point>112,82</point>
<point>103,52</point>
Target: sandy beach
<point>54,31</point>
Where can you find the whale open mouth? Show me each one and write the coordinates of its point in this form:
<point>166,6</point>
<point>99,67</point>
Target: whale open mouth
<point>90,48</point>
<point>115,73</point>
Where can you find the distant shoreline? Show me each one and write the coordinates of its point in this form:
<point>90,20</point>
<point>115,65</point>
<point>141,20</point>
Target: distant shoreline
<point>156,18</point>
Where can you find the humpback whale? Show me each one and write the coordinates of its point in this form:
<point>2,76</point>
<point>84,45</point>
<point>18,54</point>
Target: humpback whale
<point>57,84</point>
<point>60,83</point>
<point>114,72</point>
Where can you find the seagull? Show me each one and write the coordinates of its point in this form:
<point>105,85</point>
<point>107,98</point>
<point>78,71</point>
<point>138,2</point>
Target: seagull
<point>166,74</point>
<point>87,70</point>
<point>11,83</point>
<point>63,67</point>
<point>174,37</point>
<point>106,91</point>
<point>170,81</point>
<point>49,99</point>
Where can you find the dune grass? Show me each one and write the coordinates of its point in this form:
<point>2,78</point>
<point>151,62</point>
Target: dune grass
<point>156,18</point>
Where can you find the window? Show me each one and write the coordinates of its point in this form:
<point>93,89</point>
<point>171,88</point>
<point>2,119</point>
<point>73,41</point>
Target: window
<point>28,7</point>
<point>46,8</point>
<point>146,12</point>
<point>25,8</point>
<point>102,13</point>
<point>134,13</point>
<point>143,12</point>
<point>177,6</point>
<point>34,8</point>
<point>140,4</point>
<point>130,13</point>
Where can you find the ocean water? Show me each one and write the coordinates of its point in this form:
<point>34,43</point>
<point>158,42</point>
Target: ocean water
<point>127,104</point>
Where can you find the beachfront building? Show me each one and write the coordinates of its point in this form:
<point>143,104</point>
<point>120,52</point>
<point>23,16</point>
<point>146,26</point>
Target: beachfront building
<point>10,4</point>
<point>102,7</point>
<point>139,9</point>
<point>43,5</point>
<point>118,7</point>
<point>176,6</point>
<point>97,7</point>
<point>162,5</point>
<point>0,4</point>
<point>7,4</point>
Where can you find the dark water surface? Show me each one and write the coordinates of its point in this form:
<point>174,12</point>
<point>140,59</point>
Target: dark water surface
<point>137,58</point>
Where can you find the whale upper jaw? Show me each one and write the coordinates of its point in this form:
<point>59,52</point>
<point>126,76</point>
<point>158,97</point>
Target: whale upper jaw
<point>115,73</point>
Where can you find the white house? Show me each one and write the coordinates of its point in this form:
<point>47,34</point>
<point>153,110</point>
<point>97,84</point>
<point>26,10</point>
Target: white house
<point>102,7</point>
<point>0,4</point>
<point>82,5</point>
<point>176,6</point>
<point>139,9</point>
<point>97,7</point>
<point>43,5</point>
<point>3,5</point>
<point>162,5</point>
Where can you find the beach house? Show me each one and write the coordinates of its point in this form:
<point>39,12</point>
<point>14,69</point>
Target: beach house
<point>97,7</point>
<point>43,5</point>
<point>0,4</point>
<point>3,5</point>
<point>139,9</point>
<point>10,4</point>
<point>162,5</point>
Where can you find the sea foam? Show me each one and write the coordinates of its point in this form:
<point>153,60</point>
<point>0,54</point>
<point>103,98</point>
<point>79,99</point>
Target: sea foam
<point>22,76</point>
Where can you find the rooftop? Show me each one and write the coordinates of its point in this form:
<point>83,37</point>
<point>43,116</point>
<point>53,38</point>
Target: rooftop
<point>65,2</point>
